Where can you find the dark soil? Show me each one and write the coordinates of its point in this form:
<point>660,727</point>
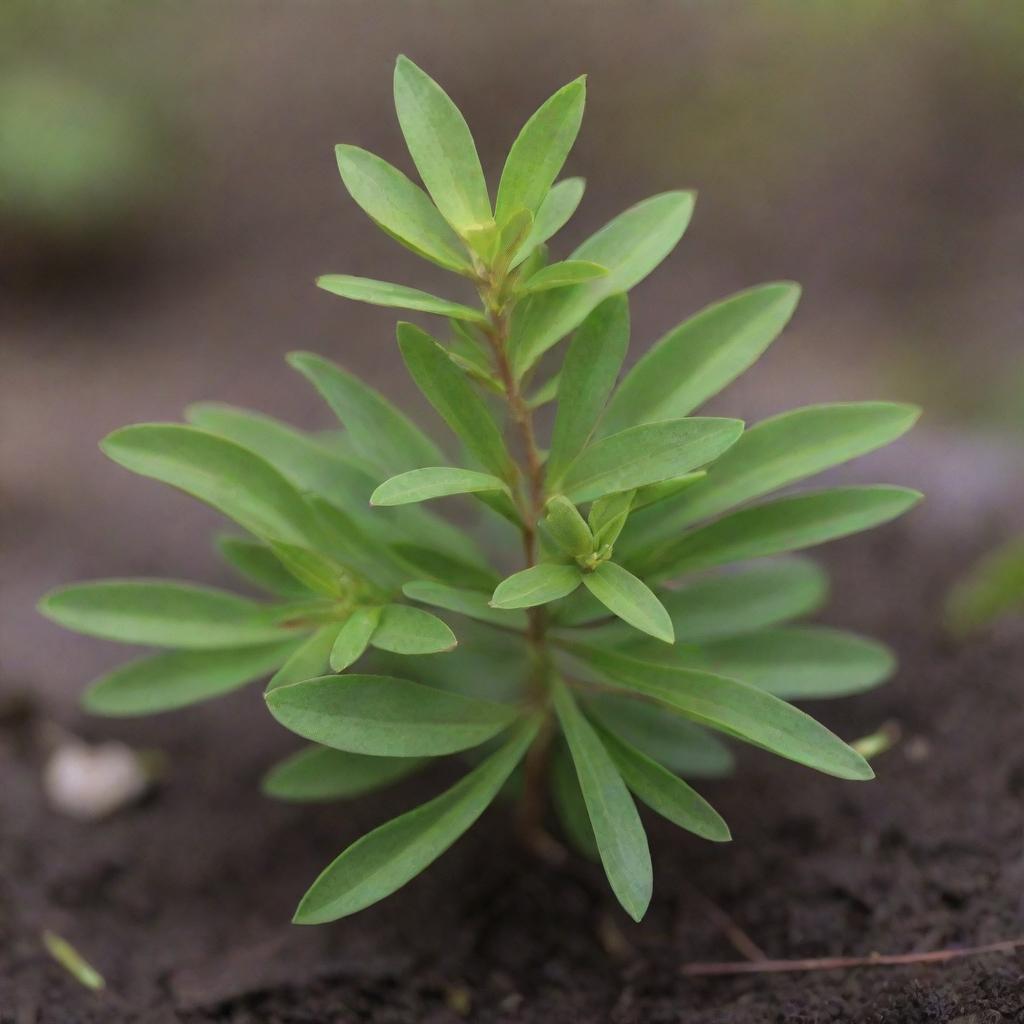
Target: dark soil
<point>182,903</point>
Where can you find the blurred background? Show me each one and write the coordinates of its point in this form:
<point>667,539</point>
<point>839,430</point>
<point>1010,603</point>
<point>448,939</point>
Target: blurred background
<point>168,193</point>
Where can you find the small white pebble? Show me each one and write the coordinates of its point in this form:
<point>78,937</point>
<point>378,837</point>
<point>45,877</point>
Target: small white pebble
<point>88,783</point>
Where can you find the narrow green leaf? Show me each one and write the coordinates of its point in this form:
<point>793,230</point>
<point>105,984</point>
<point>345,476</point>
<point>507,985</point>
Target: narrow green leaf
<point>630,599</point>
<point>441,147</point>
<point>161,613</point>
<point>786,524</point>
<point>319,774</point>
<point>257,564</point>
<point>619,834</point>
<point>735,708</point>
<point>592,363</point>
<point>472,603</point>
<point>540,150</point>
<point>515,231</point>
<point>540,584</point>
<point>73,962</point>
<point>630,246</point>
<point>646,454</point>
<point>561,275</point>
<point>395,296</point>
<point>445,568</point>
<point>319,573</point>
<point>547,392</point>
<point>401,208</point>
<point>697,359</point>
<point>309,660</point>
<point>448,391</point>
<point>380,715</point>
<point>379,431</point>
<point>354,637</point>
<point>233,480</point>
<point>608,516</point>
<point>664,792</point>
<point>405,630</point>
<point>175,680</point>
<point>993,588</point>
<point>567,527</point>
<point>570,806</point>
<point>384,860</point>
<point>654,493</point>
<point>556,209</point>
<point>433,482</point>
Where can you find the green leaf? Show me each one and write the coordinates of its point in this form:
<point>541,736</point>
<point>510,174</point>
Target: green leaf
<point>567,527</point>
<point>993,588</point>
<point>777,452</point>
<point>175,680</point>
<point>540,150</point>
<point>309,660</point>
<point>433,482</point>
<point>395,296</point>
<point>800,662</point>
<point>515,231</point>
<point>448,391</point>
<point>380,715</point>
<point>630,599</point>
<point>547,392</point>
<point>379,431</point>
<point>654,493</point>
<point>354,637</point>
<point>735,708</point>
<point>664,792</point>
<point>384,860</point>
<point>441,147</point>
<point>445,568</point>
<point>592,363</point>
<point>630,246</point>
<point>259,565</point>
<point>472,603</point>
<point>556,209</point>
<point>405,630</point>
<point>161,614</point>
<point>786,524</point>
<point>401,208</point>
<point>697,359</point>
<point>619,834</point>
<point>319,773</point>
<point>233,480</point>
<point>319,573</point>
<point>561,275</point>
<point>608,516</point>
<point>540,584</point>
<point>569,804</point>
<point>646,454</point>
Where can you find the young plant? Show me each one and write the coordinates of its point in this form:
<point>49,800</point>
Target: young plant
<point>601,666</point>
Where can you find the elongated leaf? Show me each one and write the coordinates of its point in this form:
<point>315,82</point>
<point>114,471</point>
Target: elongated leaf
<point>662,734</point>
<point>395,296</point>
<point>735,708</point>
<point>384,860</point>
<point>161,613</point>
<point>379,431</point>
<point>233,480</point>
<point>993,588</point>
<point>664,792</point>
<point>570,806</point>
<point>630,599</point>
<point>562,275</point>
<point>309,660</point>
<point>259,565</point>
<point>646,454</point>
<point>448,391</point>
<point>608,516</point>
<point>354,637</point>
<point>547,392</point>
<point>777,452</point>
<point>556,209</point>
<point>175,680</point>
<point>441,147</point>
<point>630,246</point>
<point>433,482</point>
<point>380,715</point>
<point>620,837</point>
<point>696,360</point>
<point>445,568</point>
<point>473,603</point>
<point>592,363</point>
<point>539,584</point>
<point>567,527</point>
<point>787,524</point>
<point>401,208</point>
<point>319,773</point>
<point>405,630</point>
<point>540,150</point>
<point>319,573</point>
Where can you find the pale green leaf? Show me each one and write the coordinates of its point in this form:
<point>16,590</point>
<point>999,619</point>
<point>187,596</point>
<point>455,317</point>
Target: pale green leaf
<point>472,603</point>
<point>405,630</point>
<point>395,296</point>
<point>540,584</point>
<point>608,516</point>
<point>567,527</point>
<point>309,660</point>
<point>353,638</point>
<point>561,275</point>
<point>556,209</point>
<point>319,573</point>
<point>433,482</point>
<point>320,773</point>
<point>992,589</point>
<point>257,564</point>
<point>630,599</point>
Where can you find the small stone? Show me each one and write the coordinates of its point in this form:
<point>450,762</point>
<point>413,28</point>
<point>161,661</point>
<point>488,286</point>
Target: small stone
<point>88,783</point>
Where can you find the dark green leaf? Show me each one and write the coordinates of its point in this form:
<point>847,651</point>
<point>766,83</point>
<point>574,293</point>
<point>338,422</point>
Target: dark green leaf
<point>567,527</point>
<point>405,630</point>
<point>319,573</point>
<point>539,584</point>
<point>445,568</point>
<point>395,296</point>
<point>569,804</point>
<point>473,603</point>
<point>433,482</point>
<point>259,565</point>
<point>309,660</point>
<point>319,773</point>
<point>630,599</point>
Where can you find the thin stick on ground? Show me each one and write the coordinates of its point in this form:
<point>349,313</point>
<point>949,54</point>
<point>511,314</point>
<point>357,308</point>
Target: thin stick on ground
<point>740,940</point>
<point>833,963</point>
